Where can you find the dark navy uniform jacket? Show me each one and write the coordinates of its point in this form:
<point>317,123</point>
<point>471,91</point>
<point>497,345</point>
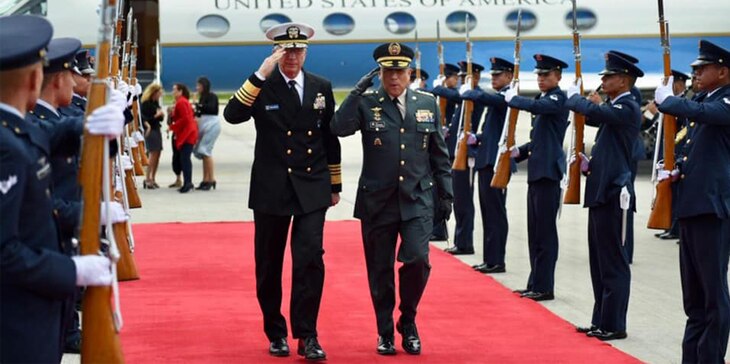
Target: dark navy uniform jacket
<point>65,164</point>
<point>452,99</point>
<point>295,149</point>
<point>612,155</point>
<point>492,126</point>
<point>453,123</point>
<point>704,184</point>
<point>545,148</point>
<point>76,108</point>
<point>36,276</point>
<point>403,158</point>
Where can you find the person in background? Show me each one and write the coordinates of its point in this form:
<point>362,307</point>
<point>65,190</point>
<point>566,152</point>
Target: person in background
<point>209,128</point>
<point>182,124</point>
<point>152,116</point>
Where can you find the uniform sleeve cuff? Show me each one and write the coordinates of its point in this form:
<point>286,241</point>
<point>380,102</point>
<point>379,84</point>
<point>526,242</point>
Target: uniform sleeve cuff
<point>250,90</point>
<point>336,177</point>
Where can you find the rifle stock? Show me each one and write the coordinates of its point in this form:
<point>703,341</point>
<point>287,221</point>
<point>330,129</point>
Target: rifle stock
<point>661,209</point>
<point>461,155</point>
<point>572,193</point>
<point>126,266</point>
<point>100,341</point>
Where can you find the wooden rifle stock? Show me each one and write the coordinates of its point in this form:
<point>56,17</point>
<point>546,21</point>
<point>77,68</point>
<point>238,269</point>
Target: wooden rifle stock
<point>661,209</point>
<point>132,195</point>
<point>126,266</point>
<point>572,193</point>
<point>100,341</point>
<point>461,155</point>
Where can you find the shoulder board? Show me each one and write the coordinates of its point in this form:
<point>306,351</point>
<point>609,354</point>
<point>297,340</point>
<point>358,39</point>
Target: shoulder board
<point>726,100</point>
<point>369,92</point>
<point>424,93</point>
<point>618,106</point>
<point>554,97</point>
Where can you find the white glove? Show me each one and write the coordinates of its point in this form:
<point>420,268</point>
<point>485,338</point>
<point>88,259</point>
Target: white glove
<point>514,152</point>
<point>663,91</point>
<point>118,182</point>
<point>127,163</point>
<point>664,174</point>
<point>471,139</point>
<point>123,87</point>
<point>445,131</point>
<point>415,85</point>
<point>509,94</point>
<point>625,198</point>
<point>118,99</point>
<point>464,88</point>
<point>137,89</point>
<point>116,211</point>
<point>107,120</point>
<point>439,81</point>
<point>92,270</point>
<point>585,163</point>
<point>574,88</point>
<point>131,142</point>
<point>659,166</point>
<point>137,136</point>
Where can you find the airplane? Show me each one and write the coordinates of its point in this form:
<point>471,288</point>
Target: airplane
<point>224,39</point>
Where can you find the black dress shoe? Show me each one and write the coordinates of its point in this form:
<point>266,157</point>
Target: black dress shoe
<point>454,250</point>
<point>669,236</point>
<point>585,330</point>
<point>279,347</point>
<point>411,342</point>
<point>479,266</point>
<point>186,188</point>
<point>659,235</point>
<point>73,347</point>
<point>521,291</point>
<point>438,238</point>
<point>607,335</point>
<point>497,268</point>
<point>386,345</point>
<point>539,296</point>
<point>309,348</point>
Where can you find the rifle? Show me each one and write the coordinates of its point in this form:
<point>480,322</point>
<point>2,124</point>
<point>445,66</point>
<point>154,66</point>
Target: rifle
<point>442,101</point>
<point>572,194</point>
<point>661,209</point>
<point>117,42</point>
<point>100,339</point>
<point>134,153</point>
<point>503,165</point>
<point>137,120</point>
<point>462,148</point>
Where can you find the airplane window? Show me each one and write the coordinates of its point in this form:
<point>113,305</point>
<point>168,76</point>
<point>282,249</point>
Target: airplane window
<point>338,24</point>
<point>213,26</point>
<point>585,18</point>
<point>400,22</point>
<point>271,20</point>
<point>456,21</point>
<point>529,20</point>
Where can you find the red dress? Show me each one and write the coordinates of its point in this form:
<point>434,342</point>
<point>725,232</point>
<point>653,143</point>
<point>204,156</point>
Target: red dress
<point>183,123</point>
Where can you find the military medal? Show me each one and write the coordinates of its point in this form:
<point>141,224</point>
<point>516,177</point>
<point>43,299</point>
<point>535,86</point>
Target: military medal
<point>376,113</point>
<point>377,142</point>
<point>424,116</point>
<point>319,102</point>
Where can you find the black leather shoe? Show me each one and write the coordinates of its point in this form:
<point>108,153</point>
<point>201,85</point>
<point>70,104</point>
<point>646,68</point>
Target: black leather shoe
<point>411,342</point>
<point>539,296</point>
<point>279,347</point>
<point>438,238</point>
<point>659,235</point>
<point>669,236</point>
<point>73,347</point>
<point>585,330</point>
<point>186,188</point>
<point>386,345</point>
<point>607,335</point>
<point>521,291</point>
<point>497,268</point>
<point>454,250</point>
<point>477,266</point>
<point>309,348</point>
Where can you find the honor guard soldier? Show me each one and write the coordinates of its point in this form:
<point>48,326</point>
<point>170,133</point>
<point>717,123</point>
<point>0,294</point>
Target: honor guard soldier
<point>37,278</point>
<point>405,158</point>
<point>545,171</point>
<point>609,192</point>
<point>703,206</point>
<point>295,175</point>
<point>463,181</point>
<point>83,72</point>
<point>420,86</point>
<point>492,201</point>
<point>446,87</point>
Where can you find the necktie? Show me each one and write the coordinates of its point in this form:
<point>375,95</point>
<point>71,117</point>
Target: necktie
<point>294,92</point>
<point>399,107</point>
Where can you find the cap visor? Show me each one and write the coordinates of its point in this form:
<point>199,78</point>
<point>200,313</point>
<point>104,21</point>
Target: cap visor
<point>540,71</point>
<point>608,72</point>
<point>700,62</point>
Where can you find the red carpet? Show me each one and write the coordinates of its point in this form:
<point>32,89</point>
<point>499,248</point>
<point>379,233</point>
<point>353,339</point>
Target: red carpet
<point>196,303</point>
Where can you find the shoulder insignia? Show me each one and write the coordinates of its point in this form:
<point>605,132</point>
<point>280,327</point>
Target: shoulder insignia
<point>726,100</point>
<point>618,106</point>
<point>6,185</point>
<point>424,93</point>
<point>554,97</point>
<point>368,92</point>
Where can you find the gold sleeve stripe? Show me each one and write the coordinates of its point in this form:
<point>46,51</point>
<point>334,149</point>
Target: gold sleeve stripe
<point>245,97</point>
<point>335,174</point>
<point>247,93</point>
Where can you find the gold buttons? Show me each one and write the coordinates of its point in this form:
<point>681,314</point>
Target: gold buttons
<point>5,123</point>
<point>288,133</point>
<point>428,130</point>
<point>684,158</point>
<point>402,146</point>
<point>402,130</point>
<point>403,163</point>
<point>529,153</point>
<point>430,183</point>
<point>288,170</point>
<point>309,133</point>
<point>689,141</point>
<point>692,124</point>
<point>288,151</point>
<point>682,176</point>
<point>401,178</point>
<point>309,169</point>
<point>43,116</point>
<point>588,173</point>
<point>377,129</point>
<point>309,151</point>
<point>17,130</point>
<point>69,160</point>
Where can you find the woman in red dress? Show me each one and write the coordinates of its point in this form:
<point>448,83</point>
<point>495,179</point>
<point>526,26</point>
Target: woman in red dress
<point>186,133</point>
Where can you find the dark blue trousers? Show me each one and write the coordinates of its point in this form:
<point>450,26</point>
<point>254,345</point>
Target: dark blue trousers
<point>610,272</point>
<point>494,218</point>
<point>704,249</point>
<point>463,209</point>
<point>543,201</point>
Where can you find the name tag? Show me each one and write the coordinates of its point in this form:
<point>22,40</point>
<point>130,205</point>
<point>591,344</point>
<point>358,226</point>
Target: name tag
<point>377,125</point>
<point>272,107</point>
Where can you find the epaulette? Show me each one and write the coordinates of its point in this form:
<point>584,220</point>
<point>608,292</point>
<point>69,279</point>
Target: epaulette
<point>369,92</point>
<point>425,93</point>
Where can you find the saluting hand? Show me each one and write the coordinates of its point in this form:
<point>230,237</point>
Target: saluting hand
<point>335,198</point>
<point>366,81</point>
<point>267,66</point>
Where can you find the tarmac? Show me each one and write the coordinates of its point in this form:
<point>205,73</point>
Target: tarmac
<point>655,317</point>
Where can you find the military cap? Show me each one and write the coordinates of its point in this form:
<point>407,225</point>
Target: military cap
<point>23,40</point>
<point>290,35</point>
<point>625,56</point>
<point>61,54</point>
<point>450,70</point>
<point>82,66</point>
<point>475,68</point>
<point>424,75</point>
<point>712,54</point>
<point>500,65</point>
<point>679,76</point>
<point>616,64</point>
<point>545,64</point>
<point>393,55</point>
